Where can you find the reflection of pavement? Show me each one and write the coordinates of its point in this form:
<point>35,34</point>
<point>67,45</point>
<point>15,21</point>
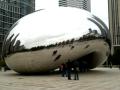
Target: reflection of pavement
<point>97,79</point>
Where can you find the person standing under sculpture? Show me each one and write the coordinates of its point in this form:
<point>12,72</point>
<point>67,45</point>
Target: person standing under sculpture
<point>110,61</point>
<point>63,70</point>
<point>69,69</point>
<point>76,70</point>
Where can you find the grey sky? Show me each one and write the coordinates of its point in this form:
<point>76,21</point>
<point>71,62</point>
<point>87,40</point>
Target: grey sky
<point>98,7</point>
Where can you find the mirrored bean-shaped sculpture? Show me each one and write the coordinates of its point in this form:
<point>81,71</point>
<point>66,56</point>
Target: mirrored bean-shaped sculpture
<point>43,40</point>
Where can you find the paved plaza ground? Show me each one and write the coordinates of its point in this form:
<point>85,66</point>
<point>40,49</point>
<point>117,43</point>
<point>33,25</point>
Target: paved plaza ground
<point>96,79</point>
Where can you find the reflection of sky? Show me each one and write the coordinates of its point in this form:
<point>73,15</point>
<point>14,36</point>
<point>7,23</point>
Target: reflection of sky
<point>98,7</point>
<point>50,26</point>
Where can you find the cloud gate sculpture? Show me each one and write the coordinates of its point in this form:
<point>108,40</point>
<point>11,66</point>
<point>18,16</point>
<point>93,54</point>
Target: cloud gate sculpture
<point>45,39</point>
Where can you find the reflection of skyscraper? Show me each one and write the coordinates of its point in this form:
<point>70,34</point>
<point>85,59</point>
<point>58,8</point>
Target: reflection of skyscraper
<point>114,20</point>
<point>10,12</point>
<point>84,4</point>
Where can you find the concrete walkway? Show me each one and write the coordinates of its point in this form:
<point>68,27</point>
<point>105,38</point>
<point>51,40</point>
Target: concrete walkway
<point>96,79</point>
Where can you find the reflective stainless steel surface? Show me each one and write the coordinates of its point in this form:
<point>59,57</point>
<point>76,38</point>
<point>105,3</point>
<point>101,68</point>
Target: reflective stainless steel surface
<point>45,39</point>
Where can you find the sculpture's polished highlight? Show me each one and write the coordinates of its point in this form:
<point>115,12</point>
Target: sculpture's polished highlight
<point>45,39</point>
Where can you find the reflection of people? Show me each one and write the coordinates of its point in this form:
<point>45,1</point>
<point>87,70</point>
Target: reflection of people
<point>69,70</point>
<point>76,69</point>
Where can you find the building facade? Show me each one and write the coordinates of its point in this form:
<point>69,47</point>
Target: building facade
<point>114,21</point>
<point>10,12</point>
<point>83,4</point>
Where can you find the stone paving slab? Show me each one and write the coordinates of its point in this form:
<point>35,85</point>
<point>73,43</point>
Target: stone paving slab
<point>96,79</point>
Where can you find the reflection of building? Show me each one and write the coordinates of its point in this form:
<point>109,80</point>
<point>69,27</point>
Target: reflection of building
<point>114,20</point>
<point>11,11</point>
<point>84,4</point>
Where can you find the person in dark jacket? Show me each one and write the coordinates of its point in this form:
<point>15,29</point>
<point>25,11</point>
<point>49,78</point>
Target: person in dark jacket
<point>76,70</point>
<point>69,69</point>
<point>64,70</point>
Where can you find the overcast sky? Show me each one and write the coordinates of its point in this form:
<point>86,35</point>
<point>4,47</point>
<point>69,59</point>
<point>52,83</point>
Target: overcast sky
<point>98,7</point>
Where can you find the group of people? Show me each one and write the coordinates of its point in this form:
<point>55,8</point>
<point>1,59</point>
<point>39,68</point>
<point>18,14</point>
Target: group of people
<point>73,67</point>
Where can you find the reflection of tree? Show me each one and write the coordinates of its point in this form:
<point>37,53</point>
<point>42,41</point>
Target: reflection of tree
<point>12,45</point>
<point>6,45</point>
<point>17,46</point>
<point>104,29</point>
<point>92,33</point>
<point>90,30</point>
<point>99,25</point>
<point>37,48</point>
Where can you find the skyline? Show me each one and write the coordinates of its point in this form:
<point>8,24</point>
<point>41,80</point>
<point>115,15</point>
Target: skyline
<point>96,9</point>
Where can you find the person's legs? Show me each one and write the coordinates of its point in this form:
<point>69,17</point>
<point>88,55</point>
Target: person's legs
<point>77,75</point>
<point>69,75</point>
<point>63,73</point>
